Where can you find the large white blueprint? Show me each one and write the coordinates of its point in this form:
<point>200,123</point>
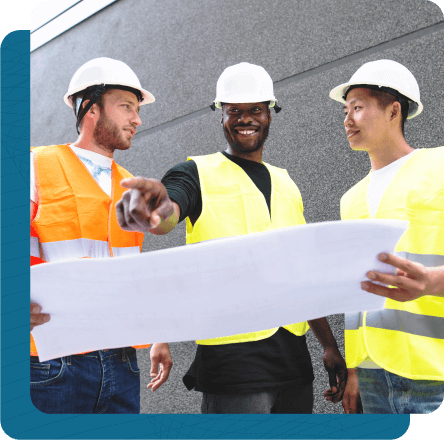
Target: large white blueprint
<point>211,289</point>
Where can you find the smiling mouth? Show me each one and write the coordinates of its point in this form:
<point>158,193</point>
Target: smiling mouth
<point>350,134</point>
<point>246,131</point>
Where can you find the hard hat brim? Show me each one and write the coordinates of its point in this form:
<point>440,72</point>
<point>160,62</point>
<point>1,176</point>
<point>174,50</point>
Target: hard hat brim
<point>338,92</point>
<point>272,102</point>
<point>147,97</point>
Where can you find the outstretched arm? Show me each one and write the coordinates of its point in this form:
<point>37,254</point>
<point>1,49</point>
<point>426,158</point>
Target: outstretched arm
<point>412,280</point>
<point>146,207</point>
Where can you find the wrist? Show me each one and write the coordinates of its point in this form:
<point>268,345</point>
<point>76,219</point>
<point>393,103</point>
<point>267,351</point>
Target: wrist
<point>435,281</point>
<point>331,345</point>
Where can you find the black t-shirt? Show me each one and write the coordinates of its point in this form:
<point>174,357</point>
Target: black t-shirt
<point>183,187</point>
<point>282,359</point>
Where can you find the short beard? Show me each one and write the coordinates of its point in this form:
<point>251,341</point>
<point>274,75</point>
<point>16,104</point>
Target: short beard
<point>106,134</point>
<point>258,145</point>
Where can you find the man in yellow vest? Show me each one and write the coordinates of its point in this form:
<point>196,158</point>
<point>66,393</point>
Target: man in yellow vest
<point>234,193</point>
<point>74,189</point>
<point>395,356</point>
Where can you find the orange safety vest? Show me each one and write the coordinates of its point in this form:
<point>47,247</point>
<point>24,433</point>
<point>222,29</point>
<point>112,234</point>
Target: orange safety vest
<point>75,218</point>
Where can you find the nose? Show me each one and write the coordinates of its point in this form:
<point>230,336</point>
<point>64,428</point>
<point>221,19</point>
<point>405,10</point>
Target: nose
<point>348,120</point>
<point>245,117</point>
<point>136,119</point>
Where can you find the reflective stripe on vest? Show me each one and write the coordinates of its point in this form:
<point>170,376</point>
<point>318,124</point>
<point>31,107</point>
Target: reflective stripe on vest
<point>426,260</point>
<point>404,338</point>
<point>80,248</point>
<point>75,218</point>
<point>35,249</point>
<point>233,205</point>
<point>399,320</point>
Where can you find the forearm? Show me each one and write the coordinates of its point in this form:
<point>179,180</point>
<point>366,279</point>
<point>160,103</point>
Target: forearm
<point>323,332</point>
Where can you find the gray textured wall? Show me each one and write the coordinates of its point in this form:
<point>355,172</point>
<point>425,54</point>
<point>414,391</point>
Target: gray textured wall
<point>179,48</point>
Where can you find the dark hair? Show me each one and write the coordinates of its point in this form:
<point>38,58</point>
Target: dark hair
<point>385,99</point>
<point>386,96</point>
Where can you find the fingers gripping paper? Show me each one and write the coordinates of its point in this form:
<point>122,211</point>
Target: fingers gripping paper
<point>216,288</point>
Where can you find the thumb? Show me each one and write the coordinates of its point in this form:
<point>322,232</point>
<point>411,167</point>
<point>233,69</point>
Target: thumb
<point>154,368</point>
<point>332,381</point>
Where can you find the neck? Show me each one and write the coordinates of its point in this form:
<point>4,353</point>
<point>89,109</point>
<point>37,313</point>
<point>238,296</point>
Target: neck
<point>88,143</point>
<point>389,153</point>
<point>255,156</point>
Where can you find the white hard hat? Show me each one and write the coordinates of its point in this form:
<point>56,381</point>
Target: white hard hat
<point>243,83</point>
<point>108,72</point>
<point>384,74</point>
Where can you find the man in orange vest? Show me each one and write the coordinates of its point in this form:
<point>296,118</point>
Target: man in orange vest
<point>233,193</point>
<point>74,189</point>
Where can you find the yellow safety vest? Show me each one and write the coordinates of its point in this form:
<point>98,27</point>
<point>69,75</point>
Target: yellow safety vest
<point>75,217</point>
<point>404,338</point>
<point>233,205</point>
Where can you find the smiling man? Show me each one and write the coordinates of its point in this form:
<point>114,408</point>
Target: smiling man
<point>395,356</point>
<point>229,193</point>
<point>74,188</point>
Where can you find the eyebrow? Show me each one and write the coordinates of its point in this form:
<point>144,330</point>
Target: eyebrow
<point>127,101</point>
<point>350,102</point>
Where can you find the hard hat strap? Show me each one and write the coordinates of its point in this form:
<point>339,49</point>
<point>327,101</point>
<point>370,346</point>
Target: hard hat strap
<point>95,96</point>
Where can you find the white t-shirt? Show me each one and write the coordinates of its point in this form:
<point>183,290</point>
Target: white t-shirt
<point>97,164</point>
<point>378,182</point>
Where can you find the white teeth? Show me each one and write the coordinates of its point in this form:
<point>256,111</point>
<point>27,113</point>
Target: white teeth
<point>246,131</point>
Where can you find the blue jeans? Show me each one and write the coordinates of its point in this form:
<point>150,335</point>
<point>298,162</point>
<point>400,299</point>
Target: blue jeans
<point>383,392</point>
<point>99,382</point>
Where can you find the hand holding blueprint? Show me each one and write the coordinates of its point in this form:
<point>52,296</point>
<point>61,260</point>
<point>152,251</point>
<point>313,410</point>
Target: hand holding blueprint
<point>216,288</point>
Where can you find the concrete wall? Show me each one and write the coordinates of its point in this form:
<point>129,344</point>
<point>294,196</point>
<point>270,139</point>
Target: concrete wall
<point>179,48</point>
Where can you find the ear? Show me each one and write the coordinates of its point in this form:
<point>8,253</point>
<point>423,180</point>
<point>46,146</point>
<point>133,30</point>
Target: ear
<point>91,117</point>
<point>93,112</point>
<point>396,110</point>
